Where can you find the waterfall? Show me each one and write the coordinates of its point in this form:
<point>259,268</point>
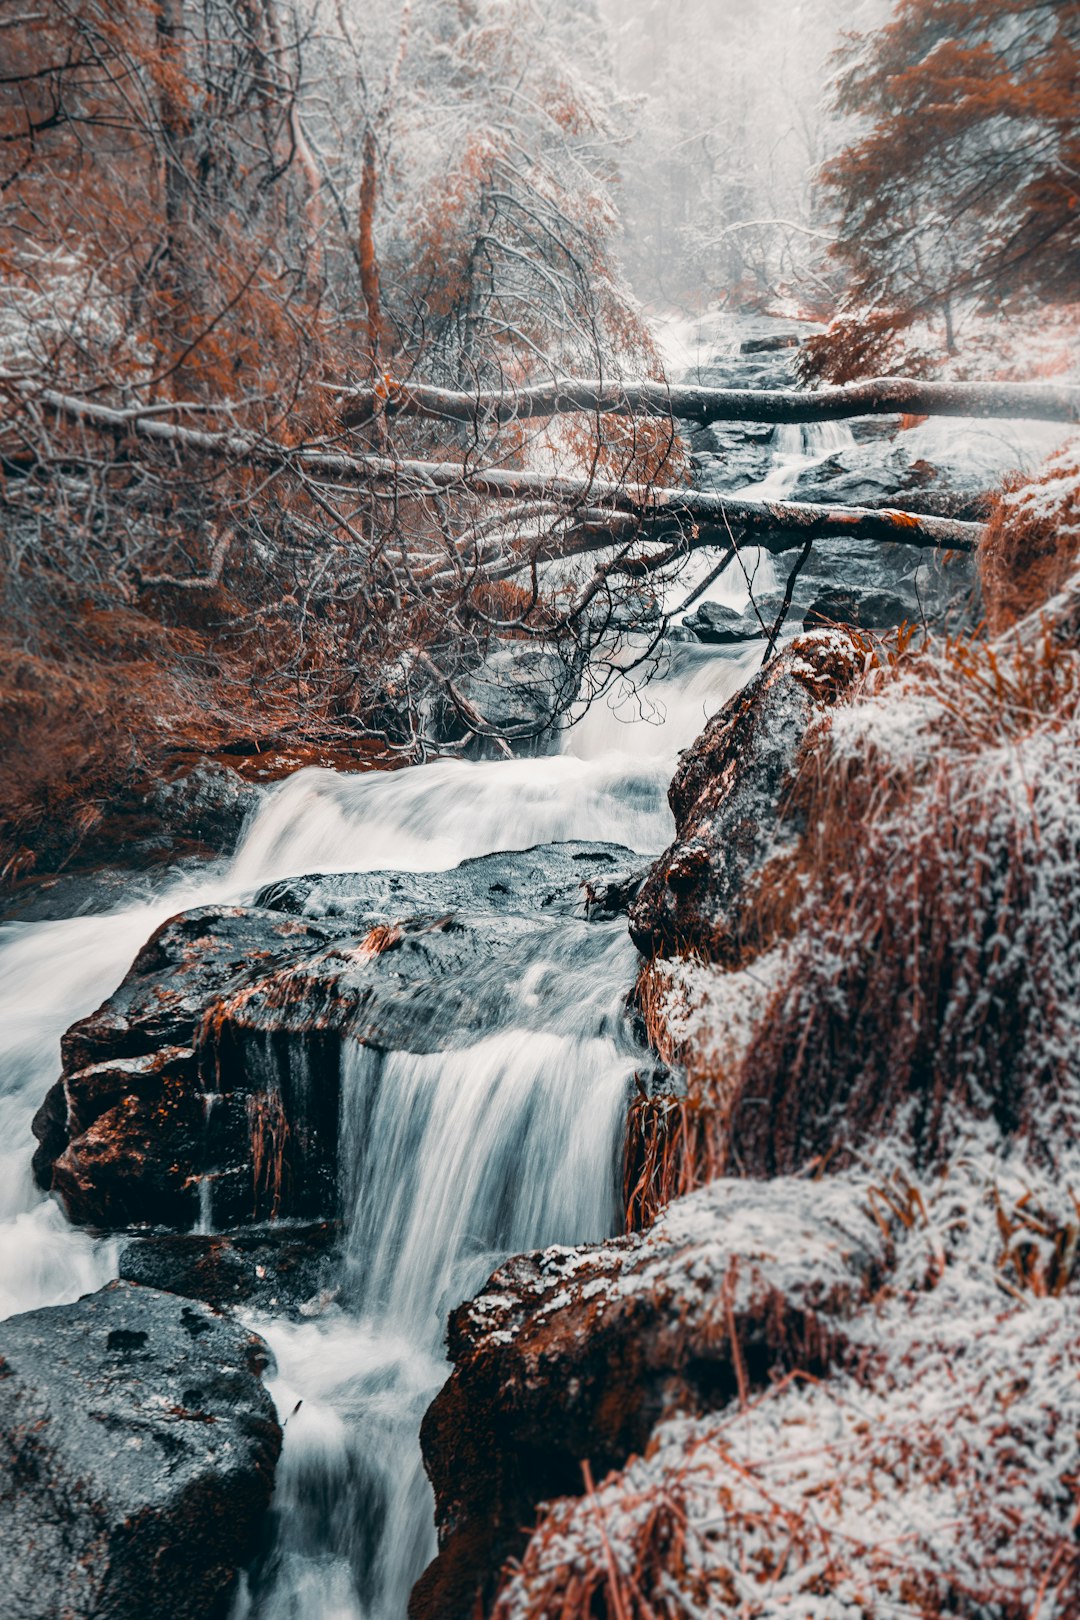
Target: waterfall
<point>798,446</point>
<point>451,1160</point>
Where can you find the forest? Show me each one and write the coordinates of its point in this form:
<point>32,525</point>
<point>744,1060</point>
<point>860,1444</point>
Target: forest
<point>539,809</point>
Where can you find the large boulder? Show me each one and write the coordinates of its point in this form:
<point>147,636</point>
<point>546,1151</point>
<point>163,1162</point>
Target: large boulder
<point>207,1087</point>
<point>721,626</point>
<point>138,1115</point>
<point>137,1459</point>
<point>578,1353</point>
<point>732,798</point>
<point>518,691</point>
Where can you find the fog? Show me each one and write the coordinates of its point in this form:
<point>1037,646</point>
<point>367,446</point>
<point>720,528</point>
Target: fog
<point>730,119</point>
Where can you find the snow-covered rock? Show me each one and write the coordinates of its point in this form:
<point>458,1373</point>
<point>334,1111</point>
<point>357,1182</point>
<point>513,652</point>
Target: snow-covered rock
<point>574,1353</point>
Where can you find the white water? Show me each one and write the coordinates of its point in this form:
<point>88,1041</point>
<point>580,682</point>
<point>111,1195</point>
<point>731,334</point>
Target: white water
<point>457,1159</point>
<point>796,448</point>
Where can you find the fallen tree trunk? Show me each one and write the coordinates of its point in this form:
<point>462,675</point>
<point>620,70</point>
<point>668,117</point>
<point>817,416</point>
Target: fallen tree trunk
<point>879,396</point>
<point>775,525</point>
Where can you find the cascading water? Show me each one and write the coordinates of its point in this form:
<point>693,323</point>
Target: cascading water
<point>457,1158</point>
<point>797,447</point>
<point>452,1160</point>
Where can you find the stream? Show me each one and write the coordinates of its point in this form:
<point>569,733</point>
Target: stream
<point>505,1145</point>
<point>454,1159</point>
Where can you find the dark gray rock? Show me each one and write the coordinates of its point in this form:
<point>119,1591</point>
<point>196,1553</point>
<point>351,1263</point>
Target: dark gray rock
<point>867,610</point>
<point>734,806</point>
<point>728,456</point>
<point>550,879</point>
<point>722,627</point>
<point>277,1268</point>
<point>208,803</point>
<point>520,690</point>
<point>208,1084</point>
<point>880,471</point>
<point>137,1462</point>
<point>930,588</point>
<point>770,343</point>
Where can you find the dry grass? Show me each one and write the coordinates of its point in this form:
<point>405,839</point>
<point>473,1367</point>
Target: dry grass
<point>676,1142</point>
<point>119,702</point>
<point>798,1523</point>
<point>937,959</point>
<point>1032,541</point>
<point>75,737</point>
<point>673,1146</point>
<point>931,911</point>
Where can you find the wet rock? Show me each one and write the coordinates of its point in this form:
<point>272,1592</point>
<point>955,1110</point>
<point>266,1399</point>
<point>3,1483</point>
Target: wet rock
<point>882,471</point>
<point>207,1087</point>
<point>578,1353</point>
<point>732,802</point>
<point>867,610</point>
<point>282,1268</point>
<point>932,589</point>
<point>130,1126</point>
<point>548,878</point>
<point>208,804</point>
<point>520,690</point>
<point>728,456</point>
<point>722,626</point>
<point>770,344</point>
<point>137,1462</point>
<point>79,893</point>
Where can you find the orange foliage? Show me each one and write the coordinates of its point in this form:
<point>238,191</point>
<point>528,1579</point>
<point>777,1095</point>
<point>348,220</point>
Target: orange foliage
<point>962,187</point>
<point>1032,543</point>
<point>919,858</point>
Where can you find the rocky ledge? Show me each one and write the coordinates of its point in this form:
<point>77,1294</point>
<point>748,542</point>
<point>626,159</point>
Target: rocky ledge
<point>734,803</point>
<point>208,1084</point>
<point>138,1457</point>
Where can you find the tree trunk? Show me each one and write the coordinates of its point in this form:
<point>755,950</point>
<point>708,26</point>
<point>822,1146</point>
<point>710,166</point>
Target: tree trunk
<point>879,396</point>
<point>177,284</point>
<point>369,263</point>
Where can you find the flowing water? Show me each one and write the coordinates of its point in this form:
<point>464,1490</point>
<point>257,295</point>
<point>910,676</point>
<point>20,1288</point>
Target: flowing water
<point>796,448</point>
<point>452,1161</point>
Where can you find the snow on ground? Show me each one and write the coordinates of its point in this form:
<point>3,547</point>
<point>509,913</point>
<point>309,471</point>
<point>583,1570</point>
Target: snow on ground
<point>970,453</point>
<point>709,1014</point>
<point>935,1474</point>
<point>733,1245</point>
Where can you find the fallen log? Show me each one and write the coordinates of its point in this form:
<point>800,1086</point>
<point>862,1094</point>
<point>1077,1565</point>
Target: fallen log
<point>775,525</point>
<point>878,396</point>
